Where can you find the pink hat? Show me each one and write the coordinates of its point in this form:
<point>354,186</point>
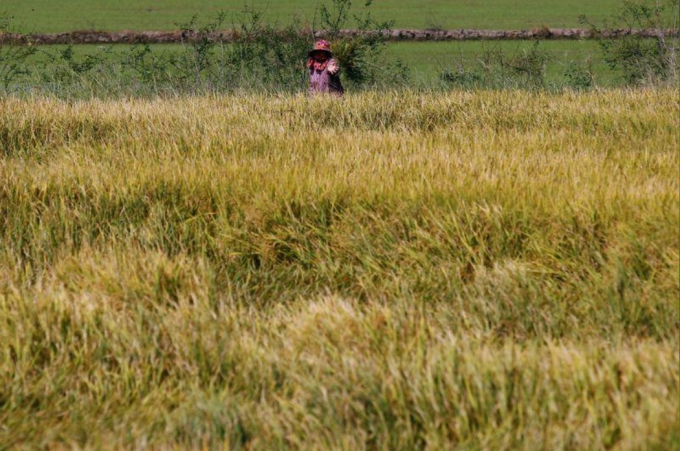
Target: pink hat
<point>321,46</point>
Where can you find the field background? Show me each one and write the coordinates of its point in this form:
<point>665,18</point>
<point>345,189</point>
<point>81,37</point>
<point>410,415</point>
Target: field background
<point>52,17</point>
<point>426,60</point>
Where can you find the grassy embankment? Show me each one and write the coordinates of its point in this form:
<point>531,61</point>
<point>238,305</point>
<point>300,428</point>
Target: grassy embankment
<point>489,270</point>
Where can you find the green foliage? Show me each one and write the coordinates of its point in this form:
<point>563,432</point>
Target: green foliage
<point>148,69</point>
<point>580,76</point>
<point>13,57</point>
<point>65,70</point>
<point>640,59</point>
<point>493,69</point>
<point>361,57</point>
<point>264,55</point>
<point>530,64</point>
<point>196,65</point>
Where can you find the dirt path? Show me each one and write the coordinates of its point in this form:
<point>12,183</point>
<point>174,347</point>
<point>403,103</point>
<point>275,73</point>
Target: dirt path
<point>168,37</point>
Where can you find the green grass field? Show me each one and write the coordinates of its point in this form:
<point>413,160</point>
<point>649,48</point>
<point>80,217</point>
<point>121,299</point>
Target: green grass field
<point>52,17</point>
<point>429,59</point>
<point>461,270</point>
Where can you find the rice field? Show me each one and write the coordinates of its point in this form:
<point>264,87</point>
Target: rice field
<point>394,270</point>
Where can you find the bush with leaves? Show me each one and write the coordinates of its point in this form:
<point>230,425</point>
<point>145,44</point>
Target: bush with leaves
<point>195,66</point>
<point>361,56</point>
<point>13,57</point>
<point>492,69</point>
<point>642,60</point>
<point>70,73</point>
<point>579,76</point>
<point>147,70</point>
<point>530,65</point>
<point>266,56</point>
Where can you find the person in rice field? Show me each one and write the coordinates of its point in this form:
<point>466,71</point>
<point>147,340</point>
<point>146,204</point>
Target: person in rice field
<point>324,71</point>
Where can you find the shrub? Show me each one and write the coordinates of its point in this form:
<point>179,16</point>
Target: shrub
<point>530,64</point>
<point>266,56</point>
<point>580,76</point>
<point>493,69</point>
<point>13,57</point>
<point>361,56</point>
<point>195,64</point>
<point>642,60</point>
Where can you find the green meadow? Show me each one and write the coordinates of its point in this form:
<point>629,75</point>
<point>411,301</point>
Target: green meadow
<point>52,17</point>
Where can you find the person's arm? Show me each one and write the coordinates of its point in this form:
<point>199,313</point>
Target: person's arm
<point>333,67</point>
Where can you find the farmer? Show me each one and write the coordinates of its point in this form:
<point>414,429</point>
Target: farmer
<point>324,71</point>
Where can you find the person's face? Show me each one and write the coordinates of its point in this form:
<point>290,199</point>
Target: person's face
<point>320,57</point>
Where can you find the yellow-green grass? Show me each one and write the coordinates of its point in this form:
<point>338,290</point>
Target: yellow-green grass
<point>475,270</point>
<point>49,17</point>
